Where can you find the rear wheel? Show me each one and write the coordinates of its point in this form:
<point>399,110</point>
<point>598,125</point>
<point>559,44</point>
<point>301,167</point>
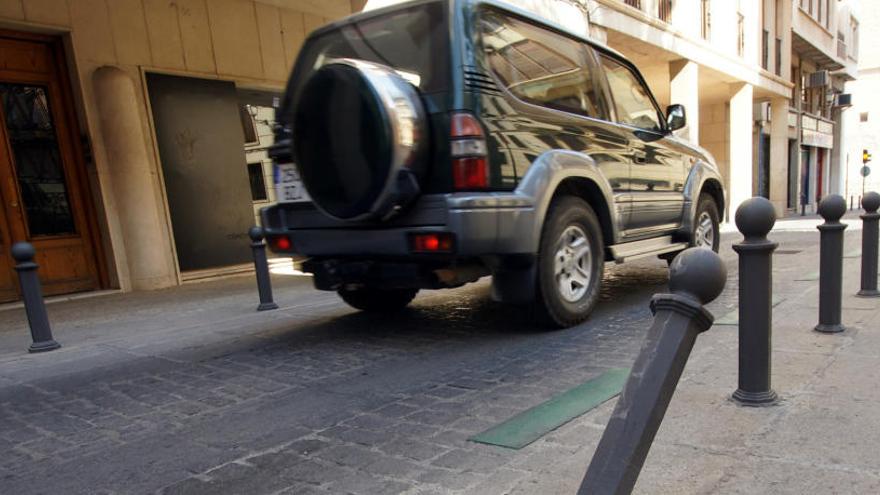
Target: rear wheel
<point>570,263</point>
<point>378,299</point>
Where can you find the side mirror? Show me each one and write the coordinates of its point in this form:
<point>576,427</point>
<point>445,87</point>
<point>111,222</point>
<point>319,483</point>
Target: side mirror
<point>675,117</point>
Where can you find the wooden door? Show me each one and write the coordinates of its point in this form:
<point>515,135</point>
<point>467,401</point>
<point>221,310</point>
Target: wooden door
<point>43,198</point>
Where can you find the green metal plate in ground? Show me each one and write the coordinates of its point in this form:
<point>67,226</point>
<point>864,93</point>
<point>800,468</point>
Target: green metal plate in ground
<point>530,425</point>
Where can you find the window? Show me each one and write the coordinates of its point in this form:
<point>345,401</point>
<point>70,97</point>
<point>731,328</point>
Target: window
<point>258,182</point>
<point>740,34</point>
<point>778,68</point>
<point>664,10</point>
<point>765,50</point>
<point>706,16</point>
<point>863,117</point>
<point>413,40</point>
<point>854,31</point>
<point>540,66</point>
<point>632,100</point>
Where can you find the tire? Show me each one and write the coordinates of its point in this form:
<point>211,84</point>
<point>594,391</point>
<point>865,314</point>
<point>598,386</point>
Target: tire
<point>378,300</point>
<point>571,262</point>
<point>706,217</point>
<point>360,140</point>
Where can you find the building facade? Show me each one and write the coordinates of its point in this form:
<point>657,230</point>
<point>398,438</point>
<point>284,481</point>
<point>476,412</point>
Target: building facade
<point>760,79</point>
<point>134,136</point>
<point>862,120</point>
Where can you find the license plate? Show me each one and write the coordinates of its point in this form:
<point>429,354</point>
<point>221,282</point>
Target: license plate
<point>288,185</point>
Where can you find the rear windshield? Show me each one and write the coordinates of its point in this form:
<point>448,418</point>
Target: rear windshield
<point>414,41</point>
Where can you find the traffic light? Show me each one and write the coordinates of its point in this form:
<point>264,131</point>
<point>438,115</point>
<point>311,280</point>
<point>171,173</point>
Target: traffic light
<point>866,157</point>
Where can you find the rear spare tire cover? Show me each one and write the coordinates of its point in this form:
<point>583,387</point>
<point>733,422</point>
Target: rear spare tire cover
<point>358,137</point>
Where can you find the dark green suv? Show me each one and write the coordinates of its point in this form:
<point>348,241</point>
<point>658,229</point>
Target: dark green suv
<point>431,143</point>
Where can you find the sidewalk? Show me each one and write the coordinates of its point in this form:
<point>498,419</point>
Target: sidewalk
<point>824,435</point>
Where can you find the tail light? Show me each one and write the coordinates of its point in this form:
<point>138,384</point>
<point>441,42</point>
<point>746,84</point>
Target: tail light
<point>440,242</point>
<point>467,146</point>
<point>280,243</point>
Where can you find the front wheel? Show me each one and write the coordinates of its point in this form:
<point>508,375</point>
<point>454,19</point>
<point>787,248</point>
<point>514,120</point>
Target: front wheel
<point>571,262</point>
<point>378,300</point>
<point>706,232</point>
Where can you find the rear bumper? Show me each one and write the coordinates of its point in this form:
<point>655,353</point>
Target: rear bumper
<point>483,224</point>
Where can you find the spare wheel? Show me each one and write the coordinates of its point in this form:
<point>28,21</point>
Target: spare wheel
<point>359,138</point>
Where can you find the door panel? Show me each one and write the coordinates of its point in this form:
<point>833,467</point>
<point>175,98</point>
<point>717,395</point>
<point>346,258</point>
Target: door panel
<point>657,179</point>
<point>41,175</point>
<point>657,173</point>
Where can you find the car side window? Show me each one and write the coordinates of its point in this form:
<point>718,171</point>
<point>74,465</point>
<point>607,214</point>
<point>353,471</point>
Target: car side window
<point>631,98</point>
<point>538,65</point>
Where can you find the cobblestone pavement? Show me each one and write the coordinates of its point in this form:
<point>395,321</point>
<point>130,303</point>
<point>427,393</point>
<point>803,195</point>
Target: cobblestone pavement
<point>175,392</point>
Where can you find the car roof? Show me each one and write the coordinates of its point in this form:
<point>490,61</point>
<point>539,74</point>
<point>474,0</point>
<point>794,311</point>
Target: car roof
<point>499,4</point>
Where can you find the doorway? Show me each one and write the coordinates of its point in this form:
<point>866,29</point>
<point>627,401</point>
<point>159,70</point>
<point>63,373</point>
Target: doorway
<point>202,149</point>
<point>43,193</point>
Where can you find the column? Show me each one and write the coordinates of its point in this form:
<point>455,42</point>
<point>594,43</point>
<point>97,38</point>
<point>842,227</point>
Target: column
<point>133,179</point>
<point>739,137</point>
<point>684,88</point>
<point>779,154</point>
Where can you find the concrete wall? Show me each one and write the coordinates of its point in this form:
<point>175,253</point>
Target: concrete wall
<point>252,43</point>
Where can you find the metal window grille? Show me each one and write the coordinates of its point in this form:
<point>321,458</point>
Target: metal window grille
<point>634,3</point>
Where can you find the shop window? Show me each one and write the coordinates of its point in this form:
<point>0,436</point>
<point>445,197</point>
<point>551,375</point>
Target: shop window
<point>258,182</point>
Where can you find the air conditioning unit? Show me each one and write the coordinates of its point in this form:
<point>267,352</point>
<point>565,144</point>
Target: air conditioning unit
<point>761,111</point>
<point>843,100</point>
<point>818,79</point>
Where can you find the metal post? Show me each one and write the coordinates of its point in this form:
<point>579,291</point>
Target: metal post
<point>870,202</point>
<point>32,294</point>
<point>261,267</point>
<point>754,219</point>
<point>696,277</point>
<point>831,208</point>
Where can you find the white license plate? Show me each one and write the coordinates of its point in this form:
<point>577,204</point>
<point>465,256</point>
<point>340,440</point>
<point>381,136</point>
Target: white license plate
<point>288,186</point>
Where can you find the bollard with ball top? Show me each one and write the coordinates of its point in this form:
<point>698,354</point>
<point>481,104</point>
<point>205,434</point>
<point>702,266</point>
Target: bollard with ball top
<point>261,267</point>
<point>831,208</point>
<point>32,295</point>
<point>870,202</point>
<point>696,277</point>
<point>755,218</point>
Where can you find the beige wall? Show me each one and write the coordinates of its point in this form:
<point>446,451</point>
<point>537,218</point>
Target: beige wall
<point>252,43</point>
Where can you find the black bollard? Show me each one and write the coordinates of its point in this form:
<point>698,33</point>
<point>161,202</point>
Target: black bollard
<point>32,295</point>
<point>754,219</point>
<point>870,202</point>
<point>832,207</point>
<point>261,267</point>
<point>696,277</point>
